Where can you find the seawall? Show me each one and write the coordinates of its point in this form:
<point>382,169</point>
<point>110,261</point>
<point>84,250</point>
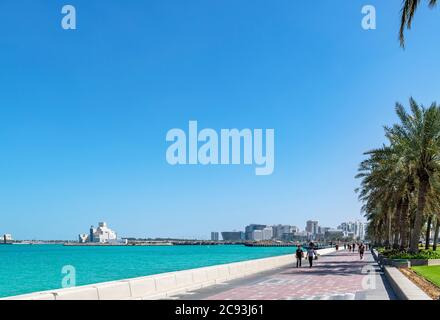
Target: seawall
<point>163,285</point>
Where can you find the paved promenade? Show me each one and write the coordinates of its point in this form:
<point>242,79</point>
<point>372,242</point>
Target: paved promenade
<point>337,276</point>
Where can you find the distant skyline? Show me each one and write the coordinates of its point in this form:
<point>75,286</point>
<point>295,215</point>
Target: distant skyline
<point>201,237</point>
<point>84,113</point>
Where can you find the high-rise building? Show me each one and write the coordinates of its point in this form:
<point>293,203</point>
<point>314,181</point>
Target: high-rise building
<point>361,230</point>
<point>267,233</point>
<point>91,232</point>
<point>354,230</point>
<point>257,235</point>
<point>312,227</point>
<point>283,232</point>
<point>251,228</point>
<point>233,235</point>
<point>279,230</point>
<point>214,236</point>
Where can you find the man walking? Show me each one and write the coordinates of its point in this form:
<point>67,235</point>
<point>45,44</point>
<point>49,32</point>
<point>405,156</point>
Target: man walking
<point>299,255</point>
<point>361,251</point>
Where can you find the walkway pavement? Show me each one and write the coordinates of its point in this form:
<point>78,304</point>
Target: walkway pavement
<point>337,276</point>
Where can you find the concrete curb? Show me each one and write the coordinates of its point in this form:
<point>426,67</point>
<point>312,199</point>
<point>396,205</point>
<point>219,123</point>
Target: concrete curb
<point>166,284</point>
<point>404,288</point>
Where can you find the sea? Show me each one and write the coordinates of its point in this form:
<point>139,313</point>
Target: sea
<point>30,268</point>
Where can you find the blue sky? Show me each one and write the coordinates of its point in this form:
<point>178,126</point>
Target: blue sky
<point>84,113</point>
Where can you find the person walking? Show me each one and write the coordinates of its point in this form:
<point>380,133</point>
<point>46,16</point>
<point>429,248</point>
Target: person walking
<point>361,251</point>
<point>354,246</point>
<point>299,255</point>
<point>311,253</point>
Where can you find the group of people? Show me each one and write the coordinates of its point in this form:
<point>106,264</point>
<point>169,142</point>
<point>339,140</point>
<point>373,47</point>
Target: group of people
<point>312,255</point>
<point>352,246</point>
<point>361,248</point>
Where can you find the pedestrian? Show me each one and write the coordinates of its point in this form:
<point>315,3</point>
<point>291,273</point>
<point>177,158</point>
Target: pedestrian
<point>311,253</point>
<point>349,247</point>
<point>345,246</point>
<point>354,246</point>
<point>361,251</point>
<point>299,255</point>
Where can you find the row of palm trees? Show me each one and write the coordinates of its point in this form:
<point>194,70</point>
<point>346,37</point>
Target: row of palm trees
<point>400,186</point>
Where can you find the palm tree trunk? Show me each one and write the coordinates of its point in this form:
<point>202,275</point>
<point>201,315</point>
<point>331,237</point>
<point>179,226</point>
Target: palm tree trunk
<point>421,202</point>
<point>388,235</point>
<point>404,224</point>
<point>428,232</point>
<point>397,218</point>
<point>437,229</point>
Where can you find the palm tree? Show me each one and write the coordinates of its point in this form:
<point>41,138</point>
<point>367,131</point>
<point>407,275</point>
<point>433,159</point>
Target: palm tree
<point>416,142</point>
<point>418,137</point>
<point>401,182</point>
<point>384,186</point>
<point>409,8</point>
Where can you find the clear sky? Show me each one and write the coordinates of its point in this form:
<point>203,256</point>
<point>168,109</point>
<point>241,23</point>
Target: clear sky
<point>84,113</point>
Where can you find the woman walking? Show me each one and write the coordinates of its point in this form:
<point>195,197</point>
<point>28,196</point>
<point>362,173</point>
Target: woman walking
<point>311,253</point>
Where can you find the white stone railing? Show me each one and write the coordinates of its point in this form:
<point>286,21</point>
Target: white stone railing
<point>166,284</point>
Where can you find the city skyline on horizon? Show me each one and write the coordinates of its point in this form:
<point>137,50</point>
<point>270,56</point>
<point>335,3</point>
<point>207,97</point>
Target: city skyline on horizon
<point>193,237</point>
<point>84,118</point>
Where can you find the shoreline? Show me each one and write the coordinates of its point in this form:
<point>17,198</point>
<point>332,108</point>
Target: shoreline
<point>161,285</point>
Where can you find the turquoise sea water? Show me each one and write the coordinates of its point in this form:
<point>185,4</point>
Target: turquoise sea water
<point>30,268</point>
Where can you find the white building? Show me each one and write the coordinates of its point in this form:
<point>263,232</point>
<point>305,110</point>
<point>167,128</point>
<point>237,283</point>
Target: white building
<point>257,235</point>
<point>267,233</point>
<point>353,229</point>
<point>102,234</point>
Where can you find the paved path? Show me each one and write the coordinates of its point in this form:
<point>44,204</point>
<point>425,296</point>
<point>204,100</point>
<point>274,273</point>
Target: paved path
<point>337,276</point>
